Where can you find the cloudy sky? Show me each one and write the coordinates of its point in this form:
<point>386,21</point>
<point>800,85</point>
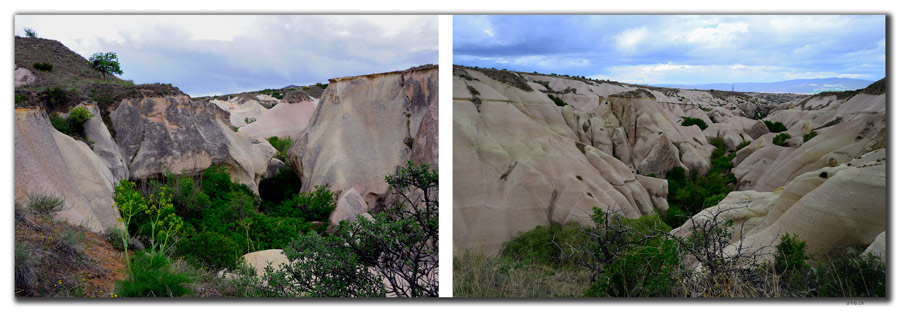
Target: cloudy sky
<point>206,55</point>
<point>661,49</point>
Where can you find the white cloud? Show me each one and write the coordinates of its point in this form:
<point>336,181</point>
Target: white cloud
<point>628,40</point>
<point>688,74</point>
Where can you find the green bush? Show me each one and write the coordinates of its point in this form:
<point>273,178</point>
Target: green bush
<point>690,121</point>
<point>559,102</point>
<point>541,245</point>
<point>398,244</point>
<point>315,205</point>
<point>775,127</point>
<point>282,145</point>
<point>781,139</point>
<point>43,66</point>
<point>153,276</point>
<point>689,195</point>
<point>322,85</point>
<point>809,136</point>
<point>790,255</point>
<point>211,249</point>
<point>742,145</point>
<point>73,125</point>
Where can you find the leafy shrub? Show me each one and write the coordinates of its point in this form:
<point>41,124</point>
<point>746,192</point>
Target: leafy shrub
<point>809,136</point>
<point>211,249</point>
<point>781,139</point>
<point>790,255</point>
<point>742,145</point>
<point>689,195</point>
<point>690,121</point>
<point>541,245</point>
<point>153,276</point>
<point>43,66</point>
<point>73,125</point>
<point>249,120</point>
<point>398,245</point>
<point>282,145</point>
<point>315,205</point>
<point>559,102</point>
<point>775,127</point>
<point>322,85</point>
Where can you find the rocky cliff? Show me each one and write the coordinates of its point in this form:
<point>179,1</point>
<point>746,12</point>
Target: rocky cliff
<point>365,127</point>
<point>533,149</point>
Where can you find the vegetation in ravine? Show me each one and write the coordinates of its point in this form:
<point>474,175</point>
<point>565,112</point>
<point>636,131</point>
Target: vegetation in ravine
<point>393,253</point>
<point>690,121</point>
<point>775,127</point>
<point>688,195</point>
<point>620,257</point>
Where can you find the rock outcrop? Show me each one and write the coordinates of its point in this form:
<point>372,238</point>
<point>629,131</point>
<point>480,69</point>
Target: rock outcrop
<point>829,207</point>
<point>173,133</point>
<point>282,120</point>
<point>51,163</point>
<point>845,129</point>
<point>517,164</point>
<point>365,127</point>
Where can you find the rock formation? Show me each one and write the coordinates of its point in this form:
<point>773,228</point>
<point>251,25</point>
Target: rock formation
<point>51,163</point>
<point>365,127</point>
<point>182,136</point>
<point>283,120</point>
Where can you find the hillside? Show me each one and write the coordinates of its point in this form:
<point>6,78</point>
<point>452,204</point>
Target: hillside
<point>806,86</point>
<point>535,150</point>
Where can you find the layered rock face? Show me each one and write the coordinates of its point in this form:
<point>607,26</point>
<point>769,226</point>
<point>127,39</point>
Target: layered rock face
<point>846,128</point>
<point>518,164</point>
<point>829,207</point>
<point>365,127</point>
<point>49,162</point>
<point>182,136</point>
<point>282,120</point>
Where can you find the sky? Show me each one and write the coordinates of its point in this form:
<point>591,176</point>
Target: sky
<point>221,54</point>
<point>676,49</point>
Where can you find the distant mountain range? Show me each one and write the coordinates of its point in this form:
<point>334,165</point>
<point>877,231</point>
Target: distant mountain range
<point>788,86</point>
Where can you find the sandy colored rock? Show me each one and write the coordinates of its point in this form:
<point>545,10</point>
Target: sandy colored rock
<point>24,76</point>
<point>364,128</point>
<point>877,247</point>
<point>834,206</point>
<point>349,205</point>
<point>183,136</point>
<point>259,260</point>
<point>104,146</point>
<point>49,162</point>
<point>282,120</point>
<point>241,109</point>
<point>518,165</point>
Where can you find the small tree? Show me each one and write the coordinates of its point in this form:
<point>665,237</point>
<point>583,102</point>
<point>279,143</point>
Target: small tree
<point>106,63</point>
<point>30,33</point>
<point>393,253</point>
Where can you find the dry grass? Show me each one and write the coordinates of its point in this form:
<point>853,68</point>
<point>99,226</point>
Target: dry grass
<point>476,275</point>
<point>54,259</point>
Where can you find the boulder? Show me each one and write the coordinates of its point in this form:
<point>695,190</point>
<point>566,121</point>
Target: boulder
<point>877,248</point>
<point>259,260</point>
<point>173,133</point>
<point>350,205</point>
